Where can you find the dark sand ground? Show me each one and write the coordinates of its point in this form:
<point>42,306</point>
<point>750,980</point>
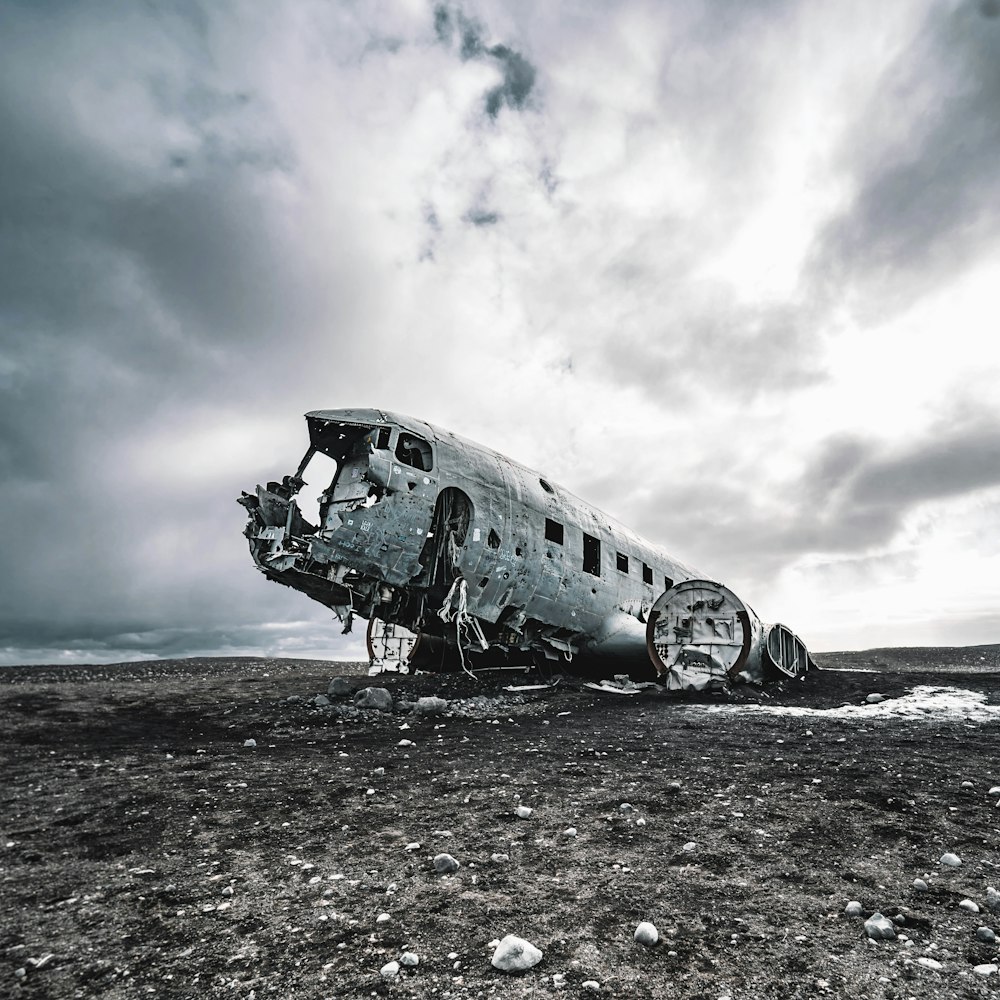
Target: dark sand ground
<point>147,852</point>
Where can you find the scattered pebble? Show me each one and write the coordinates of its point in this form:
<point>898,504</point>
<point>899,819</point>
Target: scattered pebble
<point>986,935</point>
<point>853,908</point>
<point>445,863</point>
<point>993,899</point>
<point>995,790</point>
<point>413,845</point>
<point>951,860</point>
<point>558,980</point>
<point>920,885</point>
<point>590,984</point>
<point>646,934</point>
<point>985,970</point>
<point>689,846</point>
<point>249,743</point>
<point>499,859</point>
<point>514,954</point>
<point>640,821</point>
<point>874,698</point>
<point>570,831</point>
<point>390,970</point>
<point>626,807</point>
<point>383,918</point>
<point>405,743</point>
<point>967,784</point>
<point>673,787</point>
<point>930,963</point>
<point>408,958</point>
<point>969,906</point>
<point>879,928</point>
<point>523,812</point>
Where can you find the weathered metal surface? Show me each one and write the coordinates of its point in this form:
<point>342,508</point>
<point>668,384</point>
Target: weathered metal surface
<point>479,557</point>
<point>701,636</point>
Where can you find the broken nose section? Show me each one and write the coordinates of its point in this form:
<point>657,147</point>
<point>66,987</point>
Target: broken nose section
<point>701,636</point>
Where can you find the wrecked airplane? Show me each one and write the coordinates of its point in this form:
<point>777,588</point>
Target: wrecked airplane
<point>459,557</point>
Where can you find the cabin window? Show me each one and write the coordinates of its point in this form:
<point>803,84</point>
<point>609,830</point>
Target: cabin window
<point>647,574</point>
<point>667,583</point>
<point>493,540</point>
<point>380,438</point>
<point>622,562</point>
<point>545,486</point>
<point>414,451</point>
<point>591,555</point>
<point>553,531</point>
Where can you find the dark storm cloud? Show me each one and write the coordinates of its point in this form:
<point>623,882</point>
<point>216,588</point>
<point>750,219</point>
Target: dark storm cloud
<point>854,496</point>
<point>518,73</point>
<point>924,155</point>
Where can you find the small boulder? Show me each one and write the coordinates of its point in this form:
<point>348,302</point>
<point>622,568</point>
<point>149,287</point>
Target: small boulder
<point>920,885</point>
<point>969,906</point>
<point>377,698</point>
<point>514,954</point>
<point>984,970</point>
<point>929,963</point>
<point>993,899</point>
<point>875,698</point>
<point>570,831</point>
<point>321,701</point>
<point>879,928</point>
<point>523,812</point>
<point>646,934</point>
<point>950,860</point>
<point>390,970</point>
<point>339,687</point>
<point>986,935</point>
<point>409,959</point>
<point>250,743</point>
<point>445,863</point>
<point>853,909</point>
<point>430,706</point>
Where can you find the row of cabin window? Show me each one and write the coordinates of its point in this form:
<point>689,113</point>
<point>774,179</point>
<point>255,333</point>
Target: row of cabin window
<point>592,554</point>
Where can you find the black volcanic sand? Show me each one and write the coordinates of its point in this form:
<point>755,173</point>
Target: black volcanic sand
<point>147,852</point>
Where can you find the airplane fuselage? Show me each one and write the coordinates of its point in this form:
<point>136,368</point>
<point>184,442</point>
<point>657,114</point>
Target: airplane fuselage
<point>421,528</point>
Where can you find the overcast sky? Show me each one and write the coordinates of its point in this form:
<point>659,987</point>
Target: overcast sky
<point>729,271</point>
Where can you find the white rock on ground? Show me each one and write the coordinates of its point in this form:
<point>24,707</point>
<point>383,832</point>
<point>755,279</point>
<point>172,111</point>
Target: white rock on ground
<point>689,846</point>
<point>986,935</point>
<point>874,698</point>
<point>853,908</point>
<point>590,984</point>
<point>969,906</point>
<point>390,970</point>
<point>993,899</point>
<point>985,970</point>
<point>950,860</point>
<point>995,790</point>
<point>523,812</point>
<point>570,831</point>
<point>383,918</point>
<point>408,958</point>
<point>920,885</point>
<point>514,954</point>
<point>879,928</point>
<point>445,863</point>
<point>249,743</point>
<point>646,934</point>
<point>378,698</point>
<point>930,963</point>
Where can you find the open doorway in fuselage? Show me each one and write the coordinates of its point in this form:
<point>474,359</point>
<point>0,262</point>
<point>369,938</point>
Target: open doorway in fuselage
<point>442,553</point>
